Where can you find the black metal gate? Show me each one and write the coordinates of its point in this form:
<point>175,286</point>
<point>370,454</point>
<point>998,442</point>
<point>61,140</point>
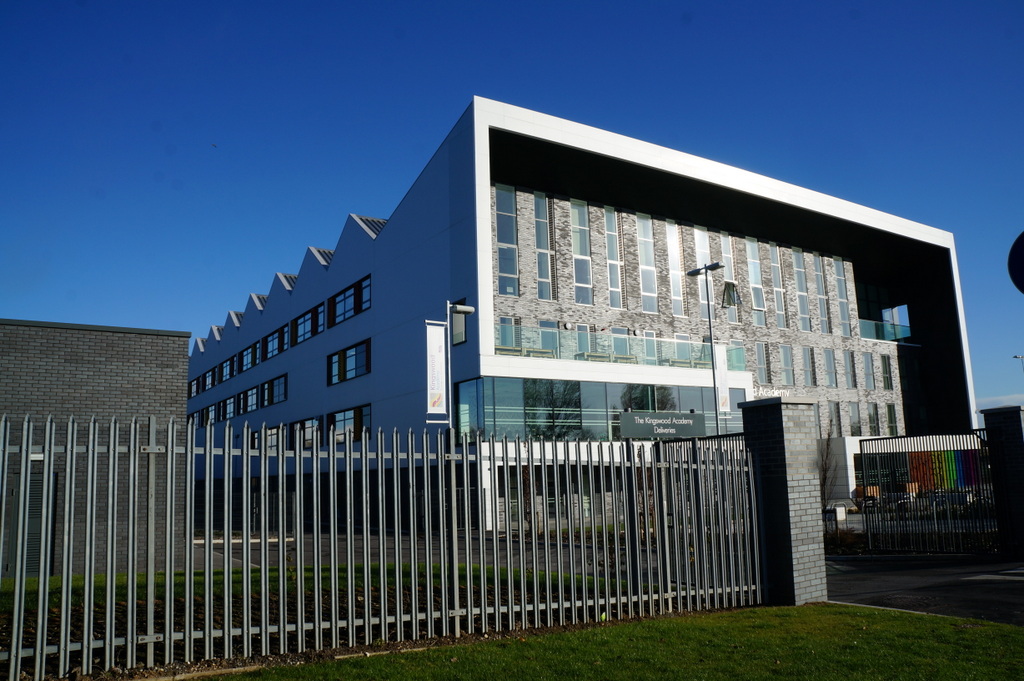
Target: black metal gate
<point>927,494</point>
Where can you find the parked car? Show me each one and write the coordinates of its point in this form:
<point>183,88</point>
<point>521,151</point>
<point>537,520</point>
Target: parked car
<point>891,499</point>
<point>945,498</point>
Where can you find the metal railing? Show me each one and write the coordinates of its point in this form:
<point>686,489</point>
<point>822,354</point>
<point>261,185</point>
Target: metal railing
<point>152,554</point>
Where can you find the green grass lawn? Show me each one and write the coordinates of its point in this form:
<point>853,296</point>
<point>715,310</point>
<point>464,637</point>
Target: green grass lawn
<point>820,642</point>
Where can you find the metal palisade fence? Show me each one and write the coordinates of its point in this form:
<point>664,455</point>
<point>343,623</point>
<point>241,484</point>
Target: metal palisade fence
<point>928,494</point>
<point>130,545</point>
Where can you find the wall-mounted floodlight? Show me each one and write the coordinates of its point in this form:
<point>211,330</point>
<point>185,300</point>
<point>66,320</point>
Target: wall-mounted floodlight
<point>463,309</point>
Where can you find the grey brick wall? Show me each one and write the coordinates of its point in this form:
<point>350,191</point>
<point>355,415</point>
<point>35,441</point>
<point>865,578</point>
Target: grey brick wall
<point>66,370</point>
<point>83,371</point>
<point>783,440</point>
<point>529,310</point>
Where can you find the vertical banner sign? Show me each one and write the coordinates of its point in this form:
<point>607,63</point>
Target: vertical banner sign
<point>437,376</point>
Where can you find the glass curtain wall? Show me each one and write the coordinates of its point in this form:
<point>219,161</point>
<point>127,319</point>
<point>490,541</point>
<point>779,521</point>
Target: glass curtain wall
<point>568,410</point>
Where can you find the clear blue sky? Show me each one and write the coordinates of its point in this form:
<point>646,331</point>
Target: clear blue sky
<point>161,160</point>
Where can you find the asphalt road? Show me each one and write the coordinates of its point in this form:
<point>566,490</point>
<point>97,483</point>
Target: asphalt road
<point>987,589</point>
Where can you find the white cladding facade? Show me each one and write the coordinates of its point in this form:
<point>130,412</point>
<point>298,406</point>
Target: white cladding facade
<point>573,244</point>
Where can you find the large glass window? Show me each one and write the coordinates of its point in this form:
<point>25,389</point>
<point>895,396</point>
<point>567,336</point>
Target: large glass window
<point>506,229</point>
<point>756,287</point>
<point>779,286</point>
<point>835,421</point>
<point>808,362</point>
<point>349,363</point>
<point>855,427</point>
<point>869,371</point>
<point>545,256</point>
<point>275,343</point>
<point>873,426</point>
<point>843,296</point>
<point>508,333</point>
<point>850,368</point>
<point>549,336</point>
<point>802,305</point>
<point>675,265</point>
<point>572,409</point>
<point>648,271</point>
<point>620,341</point>
<point>583,338</point>
<point>305,434</point>
<point>761,359</point>
<point>683,348</point>
<point>308,324</point>
<point>702,251</point>
<point>227,369</point>
<point>350,301</point>
<point>611,231</point>
<point>891,425</point>
<point>274,391</point>
<point>886,372</point>
<point>730,298</point>
<point>819,285</point>
<point>249,357</point>
<point>552,409</point>
<point>356,419</point>
<point>787,375</point>
<point>249,401</point>
<point>584,282</point>
<point>831,379</point>
<point>650,347</point>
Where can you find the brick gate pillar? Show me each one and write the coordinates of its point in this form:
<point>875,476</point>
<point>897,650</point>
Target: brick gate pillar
<point>1004,430</point>
<point>782,435</point>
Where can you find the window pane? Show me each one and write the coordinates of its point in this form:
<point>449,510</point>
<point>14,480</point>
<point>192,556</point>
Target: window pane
<point>582,271</point>
<point>507,261</point>
<point>506,229</point>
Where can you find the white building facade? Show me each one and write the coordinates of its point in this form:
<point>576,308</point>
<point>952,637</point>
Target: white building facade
<point>578,248</point>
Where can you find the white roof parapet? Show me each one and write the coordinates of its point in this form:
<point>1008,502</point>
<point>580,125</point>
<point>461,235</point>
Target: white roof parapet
<point>259,300</point>
<point>287,280</point>
<point>508,117</point>
<point>371,226</point>
<point>322,255</point>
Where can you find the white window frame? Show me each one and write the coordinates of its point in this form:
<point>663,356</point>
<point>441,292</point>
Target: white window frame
<point>584,286</point>
<point>647,254</point>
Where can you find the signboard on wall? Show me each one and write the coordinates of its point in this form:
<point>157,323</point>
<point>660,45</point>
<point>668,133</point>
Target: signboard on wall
<point>437,369</point>
<point>649,425</point>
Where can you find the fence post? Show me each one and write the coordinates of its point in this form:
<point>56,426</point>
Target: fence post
<point>782,435</point>
<point>1004,429</point>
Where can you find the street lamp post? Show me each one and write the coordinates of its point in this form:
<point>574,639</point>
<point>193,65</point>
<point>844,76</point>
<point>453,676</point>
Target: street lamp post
<point>706,271</point>
<point>1021,358</point>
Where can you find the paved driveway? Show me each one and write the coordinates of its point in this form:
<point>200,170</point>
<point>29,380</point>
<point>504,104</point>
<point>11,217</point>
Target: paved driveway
<point>964,587</point>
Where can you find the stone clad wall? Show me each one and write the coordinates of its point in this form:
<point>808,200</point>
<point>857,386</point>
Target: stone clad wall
<point>563,309</point>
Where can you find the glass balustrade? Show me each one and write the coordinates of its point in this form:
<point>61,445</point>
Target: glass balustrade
<point>883,331</point>
<point>616,348</point>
